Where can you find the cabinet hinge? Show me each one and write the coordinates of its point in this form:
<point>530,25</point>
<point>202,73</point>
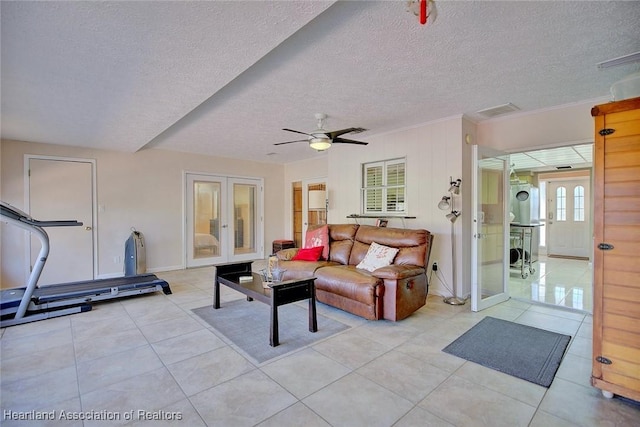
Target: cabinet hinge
<point>606,131</point>
<point>605,246</point>
<point>603,360</point>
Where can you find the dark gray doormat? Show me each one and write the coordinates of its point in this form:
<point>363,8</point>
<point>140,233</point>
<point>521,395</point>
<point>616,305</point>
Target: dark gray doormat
<point>246,324</point>
<point>522,351</point>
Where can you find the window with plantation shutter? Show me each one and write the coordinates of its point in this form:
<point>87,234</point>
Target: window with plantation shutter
<point>384,187</point>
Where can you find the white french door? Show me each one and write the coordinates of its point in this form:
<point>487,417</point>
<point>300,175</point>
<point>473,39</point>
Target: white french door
<point>223,219</point>
<point>490,228</point>
<point>568,218</point>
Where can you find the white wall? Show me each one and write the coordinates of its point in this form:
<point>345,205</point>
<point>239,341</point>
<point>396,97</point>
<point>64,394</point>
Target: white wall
<point>553,127</point>
<point>142,190</point>
<point>433,153</point>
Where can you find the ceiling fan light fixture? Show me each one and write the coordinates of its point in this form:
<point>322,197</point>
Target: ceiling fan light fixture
<point>320,142</point>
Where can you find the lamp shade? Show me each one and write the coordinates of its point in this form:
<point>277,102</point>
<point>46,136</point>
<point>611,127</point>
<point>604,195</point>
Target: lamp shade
<point>453,216</point>
<point>317,200</point>
<point>444,203</point>
<point>455,186</point>
<point>320,142</point>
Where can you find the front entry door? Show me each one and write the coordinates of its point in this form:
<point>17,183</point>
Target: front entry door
<point>568,203</point>
<point>62,189</point>
<point>489,271</point>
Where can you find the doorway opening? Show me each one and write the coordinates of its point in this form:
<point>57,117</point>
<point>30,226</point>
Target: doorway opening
<point>309,205</point>
<point>558,267</point>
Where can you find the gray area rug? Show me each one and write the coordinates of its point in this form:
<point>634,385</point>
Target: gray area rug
<point>246,325</point>
<point>522,351</point>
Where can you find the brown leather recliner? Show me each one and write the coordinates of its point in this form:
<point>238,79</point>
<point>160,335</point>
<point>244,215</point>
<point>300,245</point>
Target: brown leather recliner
<point>392,292</point>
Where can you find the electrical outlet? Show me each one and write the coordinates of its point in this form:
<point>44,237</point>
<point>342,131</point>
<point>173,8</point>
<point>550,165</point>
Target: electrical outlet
<point>435,266</point>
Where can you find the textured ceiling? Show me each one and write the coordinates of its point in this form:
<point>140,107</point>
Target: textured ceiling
<point>224,78</point>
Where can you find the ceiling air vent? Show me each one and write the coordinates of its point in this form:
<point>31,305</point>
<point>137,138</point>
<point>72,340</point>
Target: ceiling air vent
<point>563,167</point>
<point>499,110</point>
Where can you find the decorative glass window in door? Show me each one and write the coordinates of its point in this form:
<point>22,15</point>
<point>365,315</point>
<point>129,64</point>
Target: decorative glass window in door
<point>578,203</point>
<point>561,204</point>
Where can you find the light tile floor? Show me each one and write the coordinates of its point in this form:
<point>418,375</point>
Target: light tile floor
<point>556,281</point>
<point>152,354</point>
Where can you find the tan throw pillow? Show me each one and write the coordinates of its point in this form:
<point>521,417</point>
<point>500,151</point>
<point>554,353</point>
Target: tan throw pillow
<point>377,256</point>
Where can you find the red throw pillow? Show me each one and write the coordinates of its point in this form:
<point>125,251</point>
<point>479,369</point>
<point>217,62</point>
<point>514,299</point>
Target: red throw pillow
<point>308,254</point>
<point>318,237</point>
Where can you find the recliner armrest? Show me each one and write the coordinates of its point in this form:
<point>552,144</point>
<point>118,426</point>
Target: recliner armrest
<point>398,272</point>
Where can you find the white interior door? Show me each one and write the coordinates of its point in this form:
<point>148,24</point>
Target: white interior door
<point>62,189</point>
<point>224,219</point>
<point>490,229</point>
<point>568,218</point>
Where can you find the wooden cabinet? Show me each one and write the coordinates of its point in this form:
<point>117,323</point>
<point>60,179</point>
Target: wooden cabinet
<point>616,305</point>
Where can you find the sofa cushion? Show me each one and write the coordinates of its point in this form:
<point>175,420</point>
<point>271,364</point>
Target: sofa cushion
<point>318,237</point>
<point>377,256</point>
<point>308,254</point>
<point>301,269</point>
<point>349,282</point>
<point>341,238</point>
<point>413,244</point>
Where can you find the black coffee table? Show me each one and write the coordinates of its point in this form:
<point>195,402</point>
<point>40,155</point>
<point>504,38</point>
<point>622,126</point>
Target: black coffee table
<point>277,294</point>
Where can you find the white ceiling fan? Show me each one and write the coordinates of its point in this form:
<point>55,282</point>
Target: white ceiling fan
<point>322,139</point>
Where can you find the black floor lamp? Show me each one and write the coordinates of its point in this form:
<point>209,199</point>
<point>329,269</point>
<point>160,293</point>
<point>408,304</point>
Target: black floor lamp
<point>447,204</point>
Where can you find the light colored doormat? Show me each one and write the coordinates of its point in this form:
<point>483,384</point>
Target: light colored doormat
<point>245,324</point>
<point>522,351</point>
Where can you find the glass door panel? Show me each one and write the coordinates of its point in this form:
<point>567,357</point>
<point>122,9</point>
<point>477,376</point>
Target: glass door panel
<point>245,219</point>
<point>205,220</point>
<point>490,229</point>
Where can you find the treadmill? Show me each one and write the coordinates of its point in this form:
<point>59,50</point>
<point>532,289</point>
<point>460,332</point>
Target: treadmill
<point>32,303</point>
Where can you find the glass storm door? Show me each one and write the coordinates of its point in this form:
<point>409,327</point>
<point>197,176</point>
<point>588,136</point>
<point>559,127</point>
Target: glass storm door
<point>490,230</point>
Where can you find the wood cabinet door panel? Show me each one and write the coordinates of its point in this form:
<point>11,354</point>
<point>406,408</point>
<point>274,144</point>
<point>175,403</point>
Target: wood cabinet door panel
<point>616,314</point>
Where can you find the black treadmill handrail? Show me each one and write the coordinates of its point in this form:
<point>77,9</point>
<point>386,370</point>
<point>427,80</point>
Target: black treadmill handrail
<point>9,211</point>
<point>55,223</point>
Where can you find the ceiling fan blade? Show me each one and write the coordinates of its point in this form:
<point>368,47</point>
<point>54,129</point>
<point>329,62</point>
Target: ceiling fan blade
<point>291,142</point>
<point>297,131</point>
<point>337,133</point>
<point>348,141</point>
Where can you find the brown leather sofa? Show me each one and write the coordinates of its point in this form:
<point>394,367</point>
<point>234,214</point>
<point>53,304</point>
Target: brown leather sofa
<point>392,292</point>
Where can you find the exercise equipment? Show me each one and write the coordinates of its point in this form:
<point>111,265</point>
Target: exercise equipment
<point>33,302</point>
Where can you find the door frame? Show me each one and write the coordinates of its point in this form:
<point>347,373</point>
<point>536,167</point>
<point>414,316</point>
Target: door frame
<point>571,176</point>
<point>306,183</point>
<point>94,204</point>
<point>477,302</point>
